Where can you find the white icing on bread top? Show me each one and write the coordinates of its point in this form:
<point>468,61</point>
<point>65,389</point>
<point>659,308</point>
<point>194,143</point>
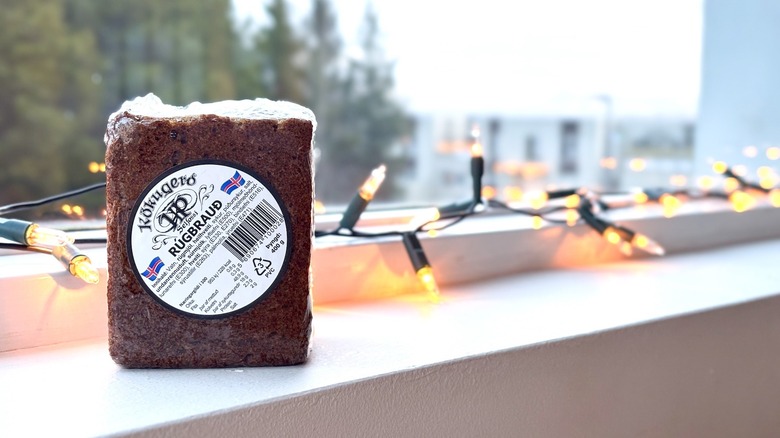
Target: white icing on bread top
<point>258,109</point>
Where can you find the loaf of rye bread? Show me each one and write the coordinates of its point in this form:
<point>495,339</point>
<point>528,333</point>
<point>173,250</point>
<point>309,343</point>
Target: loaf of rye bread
<point>144,139</point>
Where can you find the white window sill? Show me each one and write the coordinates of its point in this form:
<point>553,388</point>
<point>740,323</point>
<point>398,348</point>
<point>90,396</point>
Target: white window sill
<point>665,346</point>
<point>40,304</point>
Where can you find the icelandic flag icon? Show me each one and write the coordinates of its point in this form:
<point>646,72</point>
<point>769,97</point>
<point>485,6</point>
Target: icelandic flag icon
<point>233,183</point>
<point>154,269</point>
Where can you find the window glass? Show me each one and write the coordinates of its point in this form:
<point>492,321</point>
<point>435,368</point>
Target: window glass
<point>563,92</point>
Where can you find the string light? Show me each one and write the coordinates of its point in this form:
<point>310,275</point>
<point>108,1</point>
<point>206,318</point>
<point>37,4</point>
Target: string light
<point>641,198</point>
<point>619,235</point>
<point>571,201</point>
<point>513,193</point>
<point>767,183</point>
<point>537,200</point>
<point>774,198</point>
<point>363,196</point>
<point>741,201</point>
<point>572,217</point>
<point>78,210</point>
<point>730,184</point>
<point>608,163</point>
<point>372,184</point>
<point>706,182</point>
<point>78,264</point>
<point>420,264</point>
<point>765,172</point>
<point>32,234</point>
<point>637,164</point>
<point>488,192</point>
<point>627,239</point>
<point>719,167</point>
<point>319,207</point>
<point>477,169</point>
<point>670,204</point>
<point>678,180</point>
<point>577,205</point>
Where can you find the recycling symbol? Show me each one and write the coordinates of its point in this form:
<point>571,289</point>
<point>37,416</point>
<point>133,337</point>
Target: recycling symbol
<point>261,266</point>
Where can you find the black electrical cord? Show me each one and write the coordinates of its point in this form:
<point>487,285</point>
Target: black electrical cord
<point>12,208</point>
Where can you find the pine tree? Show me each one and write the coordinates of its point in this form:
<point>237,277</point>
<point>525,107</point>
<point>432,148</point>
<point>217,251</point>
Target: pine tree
<point>34,125</point>
<point>280,49</point>
<point>217,44</point>
<point>323,51</point>
<point>366,123</point>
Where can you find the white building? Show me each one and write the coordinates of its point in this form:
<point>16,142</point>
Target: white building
<point>552,151</point>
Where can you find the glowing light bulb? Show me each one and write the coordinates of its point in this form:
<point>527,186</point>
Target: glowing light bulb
<point>706,182</point>
<point>572,217</point>
<point>774,198</point>
<point>765,172</point>
<point>537,222</point>
<point>83,268</point>
<point>78,264</point>
<point>719,167</point>
<point>488,192</point>
<point>641,198</point>
<point>78,210</point>
<point>670,204</point>
<point>36,235</point>
<point>513,193</point>
<point>66,208</point>
<point>608,163</point>
<point>730,184</point>
<point>537,200</point>
<point>647,245</point>
<point>678,180</point>
<point>741,201</point>
<point>627,240</point>
<point>103,167</point>
<point>766,183</point>
<point>773,153</point>
<point>612,236</point>
<point>93,167</point>
<point>372,184</point>
<point>425,275</point>
<point>637,164</point>
<point>319,207</point>
<point>571,201</point>
<point>477,150</point>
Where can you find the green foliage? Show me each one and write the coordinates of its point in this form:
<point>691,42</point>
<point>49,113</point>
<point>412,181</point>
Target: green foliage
<point>67,64</point>
<point>363,121</point>
<point>34,125</point>
<point>279,48</point>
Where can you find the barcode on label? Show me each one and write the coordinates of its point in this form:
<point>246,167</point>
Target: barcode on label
<point>252,229</point>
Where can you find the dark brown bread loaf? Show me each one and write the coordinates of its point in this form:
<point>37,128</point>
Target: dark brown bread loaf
<point>269,145</point>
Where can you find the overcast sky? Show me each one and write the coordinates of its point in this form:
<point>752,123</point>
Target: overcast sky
<point>522,56</point>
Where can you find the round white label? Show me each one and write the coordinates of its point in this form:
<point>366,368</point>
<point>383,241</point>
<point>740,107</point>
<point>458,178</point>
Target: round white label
<point>209,239</point>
